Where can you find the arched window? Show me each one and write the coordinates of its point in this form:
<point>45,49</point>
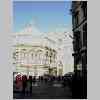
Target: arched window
<point>39,56</point>
<point>32,55</point>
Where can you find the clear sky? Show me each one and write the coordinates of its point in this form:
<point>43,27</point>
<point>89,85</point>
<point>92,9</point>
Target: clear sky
<point>46,15</point>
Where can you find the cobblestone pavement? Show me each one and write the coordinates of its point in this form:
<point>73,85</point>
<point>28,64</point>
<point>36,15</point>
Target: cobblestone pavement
<point>42,90</point>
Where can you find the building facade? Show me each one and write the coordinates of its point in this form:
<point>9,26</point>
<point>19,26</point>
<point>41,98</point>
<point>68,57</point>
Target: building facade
<point>79,22</point>
<point>35,60</point>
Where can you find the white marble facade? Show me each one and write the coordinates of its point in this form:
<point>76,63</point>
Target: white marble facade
<point>35,60</point>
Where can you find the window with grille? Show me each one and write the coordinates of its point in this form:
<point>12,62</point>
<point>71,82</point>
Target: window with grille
<point>77,38</point>
<point>84,8</point>
<point>85,35</point>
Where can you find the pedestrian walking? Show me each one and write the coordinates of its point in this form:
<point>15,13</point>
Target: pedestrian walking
<point>30,81</point>
<point>29,86</point>
<point>64,81</point>
<point>34,80</point>
<point>24,83</point>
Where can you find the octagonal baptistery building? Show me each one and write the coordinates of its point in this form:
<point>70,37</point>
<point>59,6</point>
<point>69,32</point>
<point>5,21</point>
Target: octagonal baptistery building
<point>35,58</point>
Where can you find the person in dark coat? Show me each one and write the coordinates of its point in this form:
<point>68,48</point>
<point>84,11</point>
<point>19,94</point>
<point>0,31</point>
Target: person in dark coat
<point>24,83</point>
<point>30,81</point>
<point>64,81</point>
<point>34,80</point>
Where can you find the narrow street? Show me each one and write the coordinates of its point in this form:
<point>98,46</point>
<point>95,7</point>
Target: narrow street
<point>50,50</point>
<point>46,91</point>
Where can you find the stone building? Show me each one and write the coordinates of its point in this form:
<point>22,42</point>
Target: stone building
<point>79,22</point>
<point>36,60</point>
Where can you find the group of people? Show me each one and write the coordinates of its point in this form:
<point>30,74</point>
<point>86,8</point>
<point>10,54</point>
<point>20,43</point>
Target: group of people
<point>25,83</point>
